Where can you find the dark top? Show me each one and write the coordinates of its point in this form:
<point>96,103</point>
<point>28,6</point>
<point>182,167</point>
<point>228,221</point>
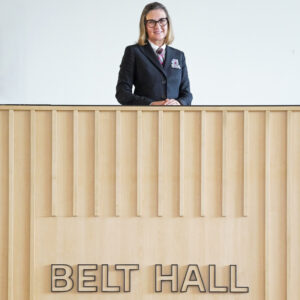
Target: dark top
<point>152,81</point>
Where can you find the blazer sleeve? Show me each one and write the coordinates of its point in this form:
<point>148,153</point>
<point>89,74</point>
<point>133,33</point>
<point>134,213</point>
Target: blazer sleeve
<point>126,79</point>
<point>185,95</point>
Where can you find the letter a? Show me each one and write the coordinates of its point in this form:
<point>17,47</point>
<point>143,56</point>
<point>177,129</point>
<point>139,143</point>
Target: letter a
<point>193,271</point>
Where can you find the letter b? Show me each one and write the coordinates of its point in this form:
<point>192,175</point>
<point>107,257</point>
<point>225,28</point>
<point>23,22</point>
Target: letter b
<point>61,278</point>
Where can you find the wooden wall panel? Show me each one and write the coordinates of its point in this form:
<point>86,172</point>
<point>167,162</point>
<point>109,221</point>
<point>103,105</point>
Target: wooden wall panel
<point>128,165</point>
<point>192,164</point>
<point>86,170</point>
<point>293,231</point>
<point>43,179</point>
<point>256,202</point>
<point>150,185</point>
<point>213,165</point>
<point>107,163</point>
<point>64,157</point>
<point>171,165</point>
<point>21,208</point>
<point>149,155</point>
<point>4,205</point>
<point>277,208</point>
<point>234,179</point>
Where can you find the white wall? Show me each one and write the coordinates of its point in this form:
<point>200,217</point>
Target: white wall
<point>69,51</point>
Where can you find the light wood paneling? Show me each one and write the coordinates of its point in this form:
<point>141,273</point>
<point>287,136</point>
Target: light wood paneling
<point>4,202</point>
<point>128,165</point>
<point>32,277</point>
<point>200,163</point>
<point>86,163</point>
<point>118,162</point>
<point>234,166</point>
<point>267,205</point>
<point>139,163</point>
<point>149,155</point>
<point>160,163</point>
<point>192,165</point>
<point>224,164</point>
<point>203,159</point>
<point>213,164</point>
<point>246,164</point>
<point>43,179</point>
<point>171,164</point>
<point>11,203</point>
<point>181,165</point>
<point>254,240</point>
<point>54,163</point>
<point>293,234</point>
<point>97,182</point>
<point>21,207</point>
<point>75,163</point>
<point>107,164</point>
<point>277,206</point>
<point>64,200</point>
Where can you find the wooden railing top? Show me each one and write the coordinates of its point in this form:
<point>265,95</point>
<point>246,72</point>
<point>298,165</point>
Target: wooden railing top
<point>153,108</point>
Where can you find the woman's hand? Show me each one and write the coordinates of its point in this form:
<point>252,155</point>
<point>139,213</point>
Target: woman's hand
<point>158,102</point>
<point>166,102</point>
<point>171,102</point>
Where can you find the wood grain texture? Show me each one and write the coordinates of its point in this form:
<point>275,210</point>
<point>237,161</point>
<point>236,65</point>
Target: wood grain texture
<point>11,149</point>
<point>203,156</point>
<point>97,183</point>
<point>75,163</point>
<point>118,162</point>
<point>224,163</point>
<point>139,163</point>
<point>267,204</point>
<point>289,225</point>
<point>54,163</point>
<point>149,163</point>
<point>160,164</point>
<point>246,163</point>
<point>32,202</point>
<point>181,166</point>
<point>4,202</point>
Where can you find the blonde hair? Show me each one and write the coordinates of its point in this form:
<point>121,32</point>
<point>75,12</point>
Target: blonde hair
<point>143,32</point>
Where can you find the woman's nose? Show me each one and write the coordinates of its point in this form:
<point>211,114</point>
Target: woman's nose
<point>157,24</point>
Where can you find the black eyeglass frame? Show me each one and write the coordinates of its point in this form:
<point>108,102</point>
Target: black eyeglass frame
<point>160,20</point>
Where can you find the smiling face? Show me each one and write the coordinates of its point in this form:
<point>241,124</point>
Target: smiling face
<point>156,34</point>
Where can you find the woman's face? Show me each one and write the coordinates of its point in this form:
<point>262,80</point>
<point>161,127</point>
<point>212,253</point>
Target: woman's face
<point>156,34</point>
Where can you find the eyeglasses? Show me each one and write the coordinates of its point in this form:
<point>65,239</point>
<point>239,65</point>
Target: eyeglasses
<point>152,23</point>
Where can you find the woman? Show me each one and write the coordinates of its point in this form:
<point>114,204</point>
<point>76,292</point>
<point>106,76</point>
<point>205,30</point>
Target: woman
<point>157,71</point>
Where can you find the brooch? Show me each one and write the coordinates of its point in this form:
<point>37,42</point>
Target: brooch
<point>175,64</point>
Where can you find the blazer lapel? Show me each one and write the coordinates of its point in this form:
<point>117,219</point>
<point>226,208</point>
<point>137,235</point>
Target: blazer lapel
<point>148,51</point>
<point>168,57</point>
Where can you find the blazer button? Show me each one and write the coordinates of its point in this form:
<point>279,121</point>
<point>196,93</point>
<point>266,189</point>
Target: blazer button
<point>164,81</point>
<point>163,97</point>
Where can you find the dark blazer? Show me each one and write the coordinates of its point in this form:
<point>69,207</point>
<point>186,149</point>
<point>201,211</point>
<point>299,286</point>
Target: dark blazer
<point>152,81</point>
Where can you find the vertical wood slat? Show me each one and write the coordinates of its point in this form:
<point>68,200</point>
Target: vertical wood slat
<point>11,208</point>
<point>75,163</point>
<point>181,165</point>
<point>97,167</point>
<point>54,163</point>
<point>203,156</point>
<point>118,161</point>
<point>224,163</point>
<point>160,163</point>
<point>267,202</point>
<point>289,287</point>
<point>32,201</point>
<point>139,163</point>
<point>246,164</point>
